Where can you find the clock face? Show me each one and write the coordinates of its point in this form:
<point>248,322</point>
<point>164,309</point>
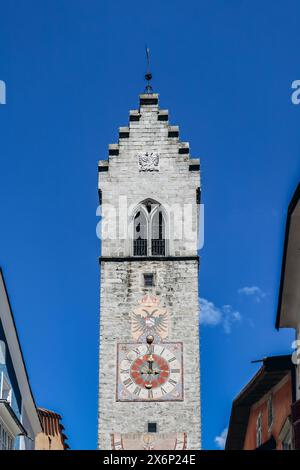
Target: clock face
<point>158,379</point>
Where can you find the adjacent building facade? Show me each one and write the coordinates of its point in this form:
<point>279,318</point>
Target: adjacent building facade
<point>266,414</point>
<point>261,415</point>
<point>288,311</point>
<point>19,419</point>
<point>149,189</point>
<point>23,426</point>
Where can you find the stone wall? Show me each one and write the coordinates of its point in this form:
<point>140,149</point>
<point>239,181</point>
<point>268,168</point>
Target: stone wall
<point>121,290</point>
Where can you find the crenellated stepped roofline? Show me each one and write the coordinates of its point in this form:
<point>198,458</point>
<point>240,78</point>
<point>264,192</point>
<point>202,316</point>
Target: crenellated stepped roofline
<point>149,106</point>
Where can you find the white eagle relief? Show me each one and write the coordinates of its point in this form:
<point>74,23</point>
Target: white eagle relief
<point>148,161</point>
<point>149,319</point>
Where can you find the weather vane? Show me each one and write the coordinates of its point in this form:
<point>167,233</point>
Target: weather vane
<point>148,75</point>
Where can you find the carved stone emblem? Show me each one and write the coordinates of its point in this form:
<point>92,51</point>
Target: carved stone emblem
<point>148,161</point>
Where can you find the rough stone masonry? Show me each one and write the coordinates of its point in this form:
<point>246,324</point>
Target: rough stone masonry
<point>149,163</point>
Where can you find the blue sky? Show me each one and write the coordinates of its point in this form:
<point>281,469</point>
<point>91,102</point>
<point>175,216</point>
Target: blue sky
<point>73,70</point>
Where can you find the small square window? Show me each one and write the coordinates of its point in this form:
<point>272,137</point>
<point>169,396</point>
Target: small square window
<point>148,280</point>
<point>152,427</point>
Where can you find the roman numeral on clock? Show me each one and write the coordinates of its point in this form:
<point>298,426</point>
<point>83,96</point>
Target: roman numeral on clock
<point>137,351</point>
<point>172,382</point>
<point>128,382</point>
<point>175,371</point>
<point>172,359</point>
<point>137,391</point>
<point>150,394</point>
<point>163,392</point>
<point>124,371</point>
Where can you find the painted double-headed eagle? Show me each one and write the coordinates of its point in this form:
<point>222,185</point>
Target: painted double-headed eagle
<point>149,319</point>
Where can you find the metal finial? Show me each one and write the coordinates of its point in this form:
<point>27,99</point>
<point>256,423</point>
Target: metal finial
<point>148,75</point>
<point>150,339</point>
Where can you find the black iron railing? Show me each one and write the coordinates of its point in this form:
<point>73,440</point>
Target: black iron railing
<point>140,247</point>
<point>158,247</point>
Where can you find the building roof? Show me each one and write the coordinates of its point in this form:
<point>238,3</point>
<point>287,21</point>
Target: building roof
<point>289,293</point>
<point>14,346</point>
<point>51,423</point>
<point>273,370</point>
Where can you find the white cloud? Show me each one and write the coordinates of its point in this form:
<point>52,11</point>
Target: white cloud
<point>221,439</point>
<point>254,291</point>
<point>209,313</point>
<point>212,315</point>
<point>230,316</point>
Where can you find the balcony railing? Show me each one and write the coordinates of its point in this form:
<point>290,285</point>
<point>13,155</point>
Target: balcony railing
<point>140,247</point>
<point>158,247</point>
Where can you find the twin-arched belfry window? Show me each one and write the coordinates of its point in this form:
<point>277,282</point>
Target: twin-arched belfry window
<point>149,238</point>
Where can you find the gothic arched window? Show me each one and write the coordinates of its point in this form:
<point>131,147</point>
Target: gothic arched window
<point>158,238</point>
<point>149,238</point>
<point>140,247</point>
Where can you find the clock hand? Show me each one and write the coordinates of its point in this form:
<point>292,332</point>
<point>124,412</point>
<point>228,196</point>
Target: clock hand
<point>150,340</point>
<point>150,361</point>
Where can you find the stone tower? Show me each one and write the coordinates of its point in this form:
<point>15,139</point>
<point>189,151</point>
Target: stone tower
<point>149,190</point>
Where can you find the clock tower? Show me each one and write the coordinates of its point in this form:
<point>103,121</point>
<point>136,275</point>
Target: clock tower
<point>149,192</point>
